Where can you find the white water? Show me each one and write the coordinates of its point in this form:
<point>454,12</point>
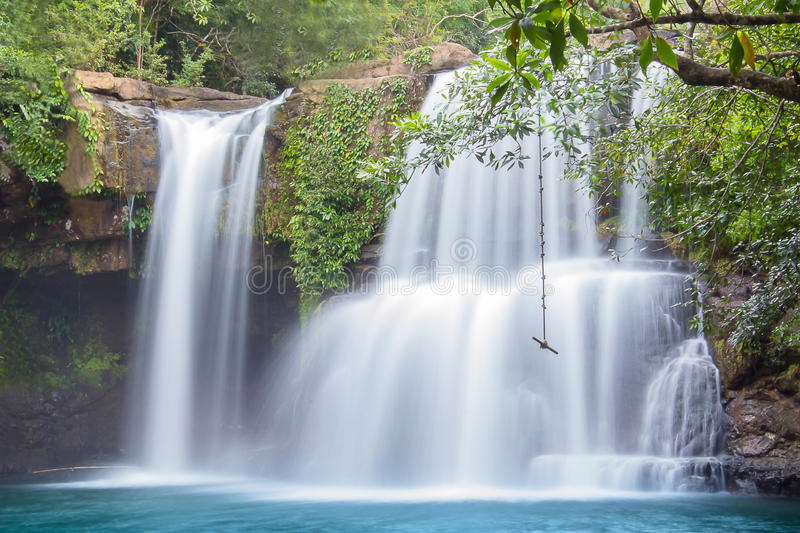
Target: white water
<point>192,317</point>
<point>633,209</point>
<point>433,380</point>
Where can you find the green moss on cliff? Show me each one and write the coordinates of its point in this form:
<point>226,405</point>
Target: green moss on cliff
<point>52,348</point>
<point>320,205</point>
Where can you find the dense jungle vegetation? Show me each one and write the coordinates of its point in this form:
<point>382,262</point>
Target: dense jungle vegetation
<point>724,176</point>
<point>257,47</point>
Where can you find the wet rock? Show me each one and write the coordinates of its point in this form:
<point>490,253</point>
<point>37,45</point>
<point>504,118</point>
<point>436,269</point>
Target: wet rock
<point>763,476</point>
<point>764,439</point>
<point>754,445</point>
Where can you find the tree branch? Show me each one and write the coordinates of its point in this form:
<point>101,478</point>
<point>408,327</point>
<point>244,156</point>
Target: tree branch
<point>475,17</point>
<point>693,73</point>
<point>712,19</point>
<point>778,55</point>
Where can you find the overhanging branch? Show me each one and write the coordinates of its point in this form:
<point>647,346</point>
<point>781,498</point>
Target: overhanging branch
<point>693,73</point>
<point>713,19</point>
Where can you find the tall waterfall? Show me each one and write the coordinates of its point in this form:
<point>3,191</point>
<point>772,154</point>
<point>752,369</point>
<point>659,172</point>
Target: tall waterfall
<point>192,317</point>
<point>432,378</point>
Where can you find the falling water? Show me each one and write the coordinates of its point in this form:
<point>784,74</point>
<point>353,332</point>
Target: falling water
<point>131,203</point>
<point>192,316</point>
<point>633,212</point>
<point>432,378</point>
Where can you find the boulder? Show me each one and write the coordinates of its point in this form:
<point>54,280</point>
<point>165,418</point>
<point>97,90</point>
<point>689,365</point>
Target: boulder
<point>444,56</point>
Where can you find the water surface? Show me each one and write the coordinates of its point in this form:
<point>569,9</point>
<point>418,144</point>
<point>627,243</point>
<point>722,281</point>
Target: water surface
<point>251,507</point>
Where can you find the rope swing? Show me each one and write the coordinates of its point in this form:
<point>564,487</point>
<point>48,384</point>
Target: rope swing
<point>543,341</point>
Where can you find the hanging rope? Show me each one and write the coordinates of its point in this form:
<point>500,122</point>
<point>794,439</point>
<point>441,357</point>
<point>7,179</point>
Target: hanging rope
<point>543,341</point>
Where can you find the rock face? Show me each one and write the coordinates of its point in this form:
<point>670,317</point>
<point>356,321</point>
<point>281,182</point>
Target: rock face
<point>763,408</point>
<point>88,235</point>
<point>128,149</point>
<point>764,437</point>
<point>42,428</point>
<point>445,56</point>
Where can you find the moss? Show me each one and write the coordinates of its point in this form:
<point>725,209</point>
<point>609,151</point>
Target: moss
<point>85,258</point>
<point>317,203</point>
<point>54,349</point>
<point>24,259</point>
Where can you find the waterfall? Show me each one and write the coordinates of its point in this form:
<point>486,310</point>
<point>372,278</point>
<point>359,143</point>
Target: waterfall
<point>192,315</point>
<point>633,210</point>
<point>432,378</point>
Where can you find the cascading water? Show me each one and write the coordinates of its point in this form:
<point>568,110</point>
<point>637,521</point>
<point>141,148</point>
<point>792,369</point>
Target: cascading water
<point>633,210</point>
<point>192,317</point>
<point>432,378</point>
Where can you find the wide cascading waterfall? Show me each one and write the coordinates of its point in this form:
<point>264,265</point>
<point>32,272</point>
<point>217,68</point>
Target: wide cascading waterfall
<point>192,317</point>
<point>432,378</point>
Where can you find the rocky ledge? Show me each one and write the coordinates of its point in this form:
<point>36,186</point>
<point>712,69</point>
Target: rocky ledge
<point>764,436</point>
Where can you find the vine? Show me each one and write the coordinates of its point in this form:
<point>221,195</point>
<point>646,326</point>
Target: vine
<point>320,205</point>
<point>418,58</point>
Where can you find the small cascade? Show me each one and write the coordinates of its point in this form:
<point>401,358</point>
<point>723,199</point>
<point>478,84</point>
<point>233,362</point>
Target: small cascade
<point>193,316</point>
<point>683,417</point>
<point>432,379</point>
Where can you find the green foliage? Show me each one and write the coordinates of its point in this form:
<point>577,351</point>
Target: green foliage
<point>140,221</point>
<point>240,45</point>
<point>94,366</point>
<point>50,348</point>
<point>494,107</point>
<point>258,82</point>
<point>35,107</point>
<point>324,210</point>
<point>305,38</point>
<point>85,34</point>
<point>725,190</point>
<point>542,25</point>
<point>418,58</point>
<point>191,74</point>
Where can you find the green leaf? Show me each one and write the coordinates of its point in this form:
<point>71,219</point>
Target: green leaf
<point>533,80</point>
<point>747,47</point>
<point>557,46</point>
<point>538,36</point>
<point>496,63</point>
<point>646,55</point>
<point>655,8</point>
<point>665,53</point>
<point>514,33</point>
<point>511,56</point>
<point>736,56</point>
<point>578,30</point>
<point>547,6</point>
<point>498,22</point>
<point>497,82</point>
<point>498,94</point>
